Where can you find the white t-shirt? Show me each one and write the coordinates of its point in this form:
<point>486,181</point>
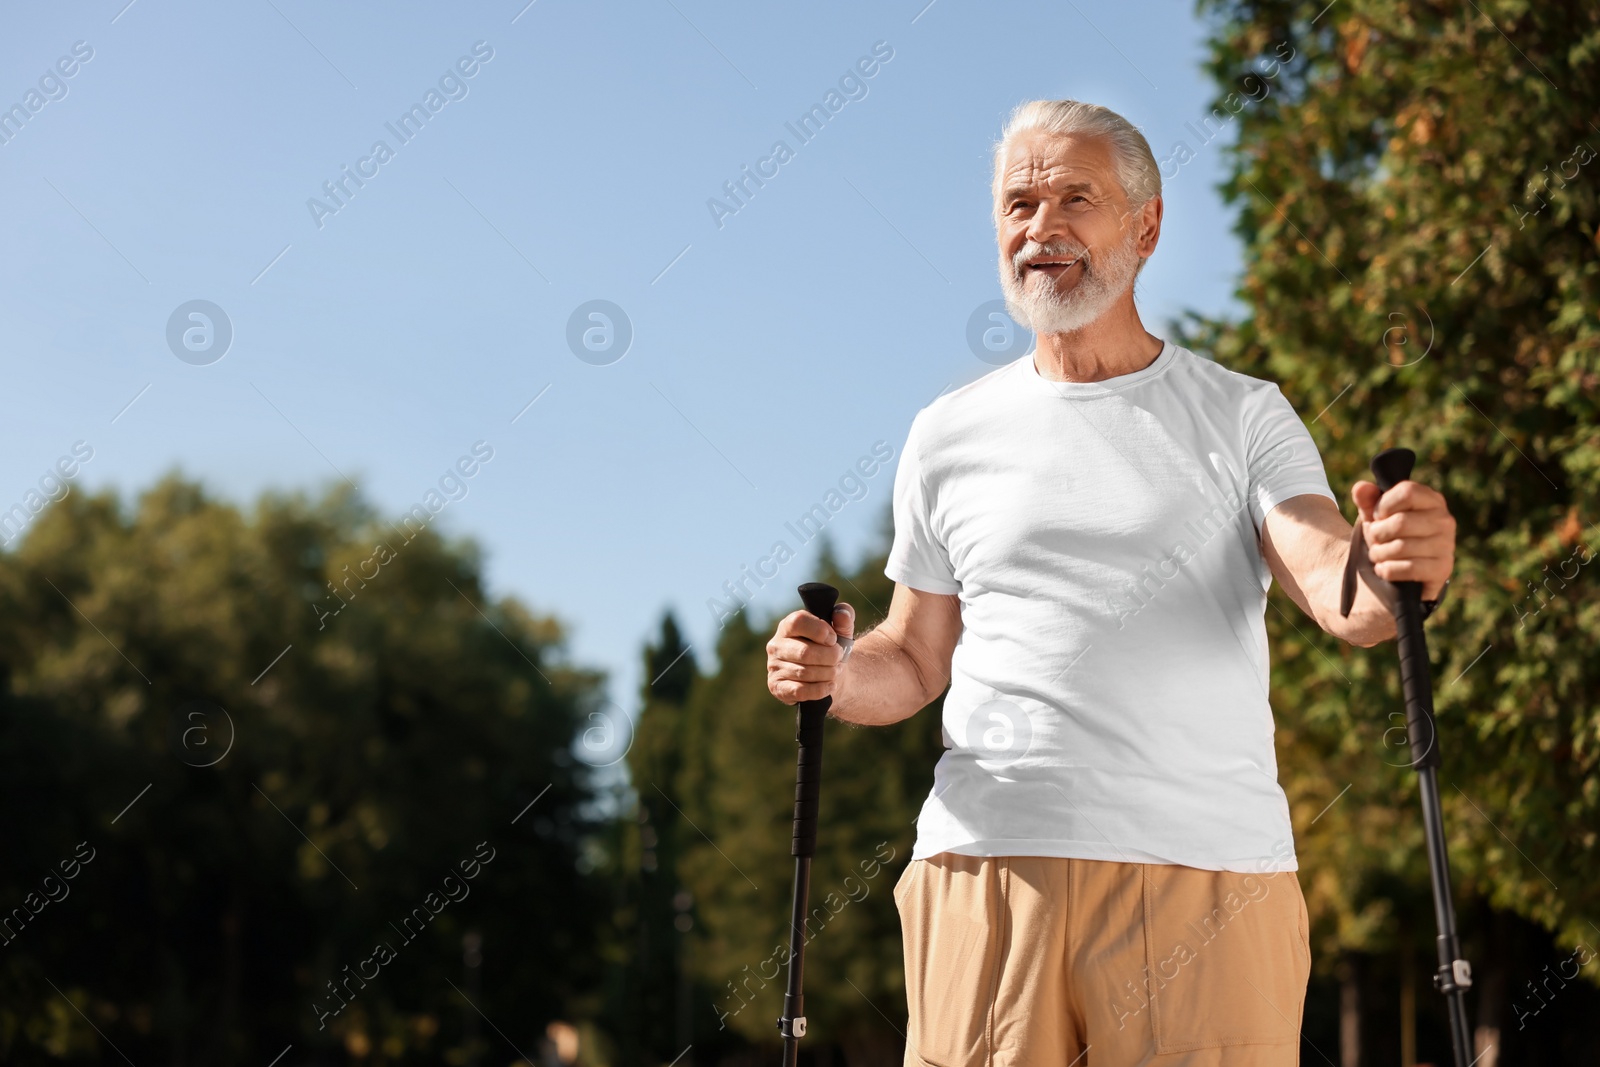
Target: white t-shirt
<point>1108,695</point>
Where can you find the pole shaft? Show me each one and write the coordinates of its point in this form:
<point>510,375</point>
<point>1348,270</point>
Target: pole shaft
<point>793,999</point>
<point>1444,914</point>
<point>1422,731</point>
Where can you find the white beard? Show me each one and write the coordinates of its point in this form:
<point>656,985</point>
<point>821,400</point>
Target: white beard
<point>1038,306</point>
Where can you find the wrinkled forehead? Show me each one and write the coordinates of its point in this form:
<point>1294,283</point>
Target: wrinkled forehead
<point>1043,162</point>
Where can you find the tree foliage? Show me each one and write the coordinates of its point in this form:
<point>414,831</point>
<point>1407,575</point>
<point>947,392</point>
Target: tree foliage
<point>730,785</point>
<point>1417,198</point>
<point>270,791</point>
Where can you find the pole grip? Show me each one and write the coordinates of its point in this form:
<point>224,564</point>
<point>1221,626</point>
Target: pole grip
<point>1391,467</point>
<point>1416,679</point>
<point>818,599</point>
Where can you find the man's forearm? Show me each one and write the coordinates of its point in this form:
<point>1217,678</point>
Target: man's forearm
<point>882,683</point>
<point>1306,542</point>
<point>1369,622</point>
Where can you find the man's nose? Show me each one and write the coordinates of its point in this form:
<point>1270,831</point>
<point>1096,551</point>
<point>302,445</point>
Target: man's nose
<point>1049,223</point>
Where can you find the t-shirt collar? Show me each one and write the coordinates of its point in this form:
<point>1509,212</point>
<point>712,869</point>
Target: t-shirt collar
<point>1032,380</point>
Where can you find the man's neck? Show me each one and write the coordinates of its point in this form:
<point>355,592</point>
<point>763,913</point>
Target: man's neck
<point>1113,345</point>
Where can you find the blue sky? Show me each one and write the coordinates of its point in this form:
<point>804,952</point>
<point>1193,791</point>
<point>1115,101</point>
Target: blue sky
<point>772,349</point>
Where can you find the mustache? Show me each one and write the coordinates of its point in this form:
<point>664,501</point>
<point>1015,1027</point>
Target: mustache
<point>1033,250</point>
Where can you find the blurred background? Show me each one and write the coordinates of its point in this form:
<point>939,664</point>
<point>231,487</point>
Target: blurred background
<point>417,417</point>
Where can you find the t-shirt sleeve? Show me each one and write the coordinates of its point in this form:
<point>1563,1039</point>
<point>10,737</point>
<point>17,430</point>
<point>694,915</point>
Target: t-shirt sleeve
<point>1283,459</point>
<point>916,558</point>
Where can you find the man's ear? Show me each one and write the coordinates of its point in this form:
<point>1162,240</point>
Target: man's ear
<point>1148,222</point>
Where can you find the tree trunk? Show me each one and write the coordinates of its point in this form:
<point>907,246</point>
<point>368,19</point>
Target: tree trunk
<point>1492,979</point>
<point>1349,1012</point>
<point>1408,1005</point>
<point>232,958</point>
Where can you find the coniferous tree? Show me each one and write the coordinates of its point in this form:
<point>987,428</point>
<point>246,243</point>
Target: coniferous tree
<point>647,1012</point>
<point>737,788</point>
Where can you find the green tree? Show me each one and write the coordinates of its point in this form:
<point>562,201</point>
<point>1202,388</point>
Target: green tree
<point>279,742</point>
<point>1416,194</point>
<point>648,1010</point>
<point>735,786</point>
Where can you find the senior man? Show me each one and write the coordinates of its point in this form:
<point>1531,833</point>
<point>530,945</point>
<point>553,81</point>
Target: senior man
<point>1083,543</point>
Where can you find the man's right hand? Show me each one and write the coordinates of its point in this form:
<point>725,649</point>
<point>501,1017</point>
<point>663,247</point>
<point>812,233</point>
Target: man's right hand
<point>804,654</point>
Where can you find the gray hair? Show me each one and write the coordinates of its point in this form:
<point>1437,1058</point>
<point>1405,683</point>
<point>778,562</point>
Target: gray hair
<point>1130,153</point>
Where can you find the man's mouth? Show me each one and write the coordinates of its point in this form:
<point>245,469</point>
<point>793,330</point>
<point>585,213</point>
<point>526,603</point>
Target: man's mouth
<point>1055,267</point>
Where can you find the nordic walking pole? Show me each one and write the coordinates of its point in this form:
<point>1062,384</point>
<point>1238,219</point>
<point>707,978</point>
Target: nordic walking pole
<point>1454,976</point>
<point>819,599</point>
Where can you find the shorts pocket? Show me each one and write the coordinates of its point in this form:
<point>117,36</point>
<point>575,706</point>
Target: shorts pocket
<point>1227,957</point>
<point>949,912</point>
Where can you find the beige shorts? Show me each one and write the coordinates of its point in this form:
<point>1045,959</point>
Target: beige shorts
<point>1026,961</point>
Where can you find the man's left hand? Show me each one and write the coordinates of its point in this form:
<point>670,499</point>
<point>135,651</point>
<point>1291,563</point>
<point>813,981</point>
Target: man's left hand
<point>1411,535</point>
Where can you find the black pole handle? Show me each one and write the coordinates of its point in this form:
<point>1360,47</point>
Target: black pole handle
<point>819,599</point>
<point>1391,467</point>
